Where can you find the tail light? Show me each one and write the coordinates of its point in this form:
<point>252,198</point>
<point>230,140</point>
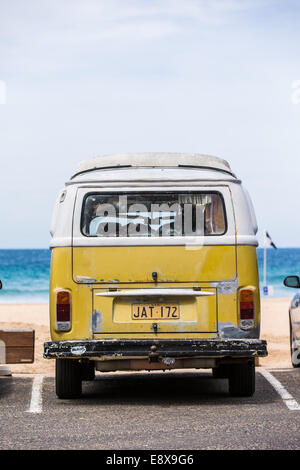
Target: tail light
<point>247,309</point>
<point>63,310</point>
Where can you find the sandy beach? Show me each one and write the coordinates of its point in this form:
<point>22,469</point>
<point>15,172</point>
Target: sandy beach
<point>274,328</point>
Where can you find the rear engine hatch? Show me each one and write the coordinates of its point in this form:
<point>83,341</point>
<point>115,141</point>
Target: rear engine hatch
<point>155,310</point>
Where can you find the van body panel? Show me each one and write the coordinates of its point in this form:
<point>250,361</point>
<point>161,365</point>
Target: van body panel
<point>81,297</point>
<point>248,276</point>
<point>85,303</point>
<point>229,323</point>
<point>197,315</point>
<point>136,264</point>
<point>83,309</point>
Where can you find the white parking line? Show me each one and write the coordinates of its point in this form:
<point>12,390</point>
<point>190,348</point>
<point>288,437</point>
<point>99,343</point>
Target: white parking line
<point>285,395</point>
<point>36,395</point>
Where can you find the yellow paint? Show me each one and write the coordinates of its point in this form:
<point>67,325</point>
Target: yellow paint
<point>133,267</point>
<point>247,271</point>
<point>248,274</point>
<point>172,263</point>
<point>197,314</point>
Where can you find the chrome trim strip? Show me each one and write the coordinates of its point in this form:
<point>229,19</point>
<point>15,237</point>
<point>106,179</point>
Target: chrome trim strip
<point>153,292</point>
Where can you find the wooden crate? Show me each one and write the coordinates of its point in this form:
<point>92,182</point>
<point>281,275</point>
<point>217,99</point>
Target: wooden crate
<point>19,345</point>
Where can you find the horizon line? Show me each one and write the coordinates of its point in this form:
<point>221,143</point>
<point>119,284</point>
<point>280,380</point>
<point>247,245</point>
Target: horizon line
<point>48,248</point>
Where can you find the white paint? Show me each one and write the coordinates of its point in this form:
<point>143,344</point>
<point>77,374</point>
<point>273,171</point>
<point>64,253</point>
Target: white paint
<point>241,222</point>
<point>2,352</point>
<point>85,280</point>
<point>78,350</point>
<point>5,371</point>
<point>154,292</point>
<point>36,395</point>
<point>285,395</point>
<point>160,160</point>
<point>226,287</point>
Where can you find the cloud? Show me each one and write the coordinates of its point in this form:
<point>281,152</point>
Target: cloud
<point>203,10</point>
<point>130,31</point>
<point>99,20</point>
<point>152,20</point>
<point>56,34</point>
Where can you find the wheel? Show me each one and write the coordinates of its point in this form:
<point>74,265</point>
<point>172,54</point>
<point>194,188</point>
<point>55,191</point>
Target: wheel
<point>220,372</point>
<point>242,379</point>
<point>295,358</point>
<point>87,370</point>
<point>68,378</point>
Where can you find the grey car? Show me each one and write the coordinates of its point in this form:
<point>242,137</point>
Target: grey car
<point>294,319</point>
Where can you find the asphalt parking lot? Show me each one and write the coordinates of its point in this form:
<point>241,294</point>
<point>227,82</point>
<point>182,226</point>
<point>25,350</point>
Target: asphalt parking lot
<point>171,410</point>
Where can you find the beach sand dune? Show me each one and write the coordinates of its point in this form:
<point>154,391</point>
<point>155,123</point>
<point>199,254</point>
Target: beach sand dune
<point>274,328</point>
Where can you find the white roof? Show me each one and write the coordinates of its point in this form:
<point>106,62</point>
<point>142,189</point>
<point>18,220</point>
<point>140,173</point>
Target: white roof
<point>153,160</point>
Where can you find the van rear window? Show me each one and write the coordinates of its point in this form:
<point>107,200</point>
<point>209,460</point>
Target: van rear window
<point>153,214</point>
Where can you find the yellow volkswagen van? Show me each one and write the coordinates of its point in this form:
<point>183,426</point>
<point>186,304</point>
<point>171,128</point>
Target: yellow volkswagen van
<point>154,268</point>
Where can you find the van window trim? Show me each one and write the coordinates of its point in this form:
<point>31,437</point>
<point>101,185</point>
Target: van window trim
<point>122,193</point>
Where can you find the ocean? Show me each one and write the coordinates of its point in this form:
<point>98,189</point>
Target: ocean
<point>25,273</point>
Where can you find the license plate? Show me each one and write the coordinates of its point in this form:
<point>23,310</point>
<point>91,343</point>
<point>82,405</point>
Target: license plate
<point>155,311</point>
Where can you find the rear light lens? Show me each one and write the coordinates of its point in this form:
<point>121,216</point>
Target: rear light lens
<point>63,310</point>
<point>247,309</point>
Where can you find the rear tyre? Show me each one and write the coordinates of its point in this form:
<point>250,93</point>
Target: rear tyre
<point>294,356</point>
<point>242,379</point>
<point>68,378</point>
<point>88,370</point>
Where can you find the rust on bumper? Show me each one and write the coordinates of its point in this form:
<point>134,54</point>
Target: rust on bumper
<point>122,348</point>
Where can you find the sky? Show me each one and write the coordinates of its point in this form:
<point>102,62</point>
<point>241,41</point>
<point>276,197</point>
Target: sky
<point>82,78</point>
